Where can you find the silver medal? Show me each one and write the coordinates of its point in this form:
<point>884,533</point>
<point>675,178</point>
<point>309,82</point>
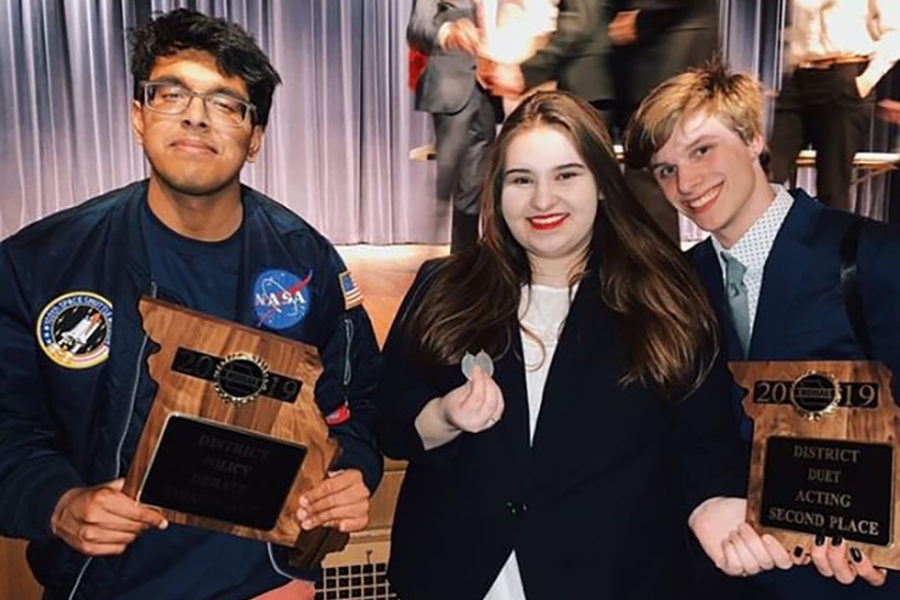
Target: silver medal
<point>482,359</point>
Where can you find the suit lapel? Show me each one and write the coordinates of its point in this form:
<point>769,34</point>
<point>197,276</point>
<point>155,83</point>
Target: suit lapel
<point>510,376</point>
<point>710,271</point>
<point>562,390</point>
<point>781,276</point>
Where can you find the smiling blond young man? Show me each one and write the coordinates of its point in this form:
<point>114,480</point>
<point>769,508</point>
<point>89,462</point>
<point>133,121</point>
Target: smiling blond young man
<point>71,414</point>
<point>772,267</point>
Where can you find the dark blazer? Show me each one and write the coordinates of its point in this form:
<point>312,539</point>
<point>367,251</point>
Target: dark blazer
<point>672,36</point>
<point>449,77</point>
<point>801,316</point>
<point>592,509</point>
<point>577,55</point>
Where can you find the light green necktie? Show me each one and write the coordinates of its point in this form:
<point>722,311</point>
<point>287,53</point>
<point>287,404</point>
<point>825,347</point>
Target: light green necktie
<point>737,299</point>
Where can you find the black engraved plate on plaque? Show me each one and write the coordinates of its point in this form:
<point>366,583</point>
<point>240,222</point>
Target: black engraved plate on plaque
<point>223,473</point>
<point>830,486</point>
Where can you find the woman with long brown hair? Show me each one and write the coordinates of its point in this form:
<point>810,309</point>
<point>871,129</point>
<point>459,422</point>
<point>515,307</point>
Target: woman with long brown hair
<point>566,464</point>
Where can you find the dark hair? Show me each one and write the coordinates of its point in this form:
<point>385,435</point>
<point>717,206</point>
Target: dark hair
<point>473,298</point>
<point>234,49</point>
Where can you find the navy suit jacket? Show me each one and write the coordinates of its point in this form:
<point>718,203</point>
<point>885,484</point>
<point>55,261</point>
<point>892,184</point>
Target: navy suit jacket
<point>801,315</point>
<point>591,507</point>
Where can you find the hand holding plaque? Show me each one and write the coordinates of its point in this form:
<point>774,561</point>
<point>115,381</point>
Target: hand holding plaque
<point>825,453</point>
<point>234,436</point>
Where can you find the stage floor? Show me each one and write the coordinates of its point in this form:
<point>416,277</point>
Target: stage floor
<point>384,274</point>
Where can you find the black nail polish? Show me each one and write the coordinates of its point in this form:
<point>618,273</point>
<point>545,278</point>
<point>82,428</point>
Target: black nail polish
<point>836,539</point>
<point>820,539</point>
<point>798,551</point>
<point>856,554</point>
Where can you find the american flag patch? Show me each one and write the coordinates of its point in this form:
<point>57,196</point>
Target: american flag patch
<point>352,295</point>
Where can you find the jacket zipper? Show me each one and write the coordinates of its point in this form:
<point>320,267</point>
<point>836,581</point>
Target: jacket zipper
<point>348,335</point>
<point>80,575</point>
<point>134,388</point>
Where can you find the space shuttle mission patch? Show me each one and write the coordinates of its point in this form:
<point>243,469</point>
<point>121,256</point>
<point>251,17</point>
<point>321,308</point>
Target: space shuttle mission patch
<point>74,329</point>
<point>352,295</point>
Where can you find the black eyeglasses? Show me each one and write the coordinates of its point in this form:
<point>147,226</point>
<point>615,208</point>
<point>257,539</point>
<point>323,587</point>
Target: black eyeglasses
<point>169,98</point>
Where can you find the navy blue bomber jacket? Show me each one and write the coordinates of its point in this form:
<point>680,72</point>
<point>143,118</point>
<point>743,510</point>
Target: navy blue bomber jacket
<point>70,385</point>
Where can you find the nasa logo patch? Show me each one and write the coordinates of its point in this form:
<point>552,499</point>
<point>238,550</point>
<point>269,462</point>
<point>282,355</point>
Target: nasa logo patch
<point>74,329</point>
<point>280,298</point>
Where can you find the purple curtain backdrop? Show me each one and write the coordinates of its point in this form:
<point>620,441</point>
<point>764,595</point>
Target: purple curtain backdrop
<point>337,145</point>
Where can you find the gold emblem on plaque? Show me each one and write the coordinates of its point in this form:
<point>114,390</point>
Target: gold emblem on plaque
<point>815,395</point>
<point>241,377</point>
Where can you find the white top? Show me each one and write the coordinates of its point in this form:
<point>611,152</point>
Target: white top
<point>825,29</point>
<point>753,249</point>
<point>542,311</point>
<point>831,28</point>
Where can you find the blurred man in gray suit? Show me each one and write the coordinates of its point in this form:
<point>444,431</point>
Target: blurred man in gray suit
<point>656,39</point>
<point>462,109</point>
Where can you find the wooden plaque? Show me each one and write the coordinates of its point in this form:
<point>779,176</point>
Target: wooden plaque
<point>234,435</point>
<point>825,453</point>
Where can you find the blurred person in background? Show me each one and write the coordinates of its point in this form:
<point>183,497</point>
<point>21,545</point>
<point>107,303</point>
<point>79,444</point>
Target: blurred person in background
<point>574,58</point>
<point>655,39</point>
<point>461,107</point>
<point>837,51</point>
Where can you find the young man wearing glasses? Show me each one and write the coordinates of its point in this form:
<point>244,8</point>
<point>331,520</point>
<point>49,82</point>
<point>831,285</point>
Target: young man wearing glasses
<point>71,415</point>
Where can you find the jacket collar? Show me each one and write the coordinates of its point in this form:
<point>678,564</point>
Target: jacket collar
<point>780,278</point>
<point>510,377</point>
<point>129,237</point>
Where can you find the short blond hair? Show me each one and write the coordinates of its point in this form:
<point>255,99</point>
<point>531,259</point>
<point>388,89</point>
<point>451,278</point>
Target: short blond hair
<point>734,98</point>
